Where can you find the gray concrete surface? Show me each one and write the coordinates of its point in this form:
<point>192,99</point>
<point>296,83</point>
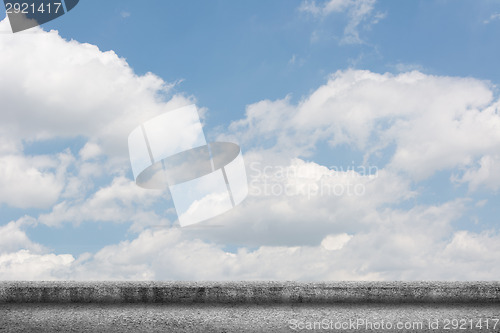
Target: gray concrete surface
<point>249,307</point>
<point>249,292</point>
<point>248,318</point>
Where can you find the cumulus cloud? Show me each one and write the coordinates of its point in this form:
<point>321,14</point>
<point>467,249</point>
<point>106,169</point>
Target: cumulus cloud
<point>297,203</point>
<point>32,181</point>
<point>25,266</point>
<point>41,98</point>
<point>13,238</point>
<point>335,242</point>
<point>89,151</point>
<point>22,259</point>
<point>483,174</point>
<point>434,123</point>
<point>408,245</point>
<point>405,247</point>
<point>119,202</point>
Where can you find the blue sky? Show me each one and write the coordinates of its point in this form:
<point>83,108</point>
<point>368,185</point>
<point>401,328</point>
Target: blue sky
<point>408,87</point>
<point>253,43</point>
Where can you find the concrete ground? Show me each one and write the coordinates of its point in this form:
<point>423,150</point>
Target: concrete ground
<point>249,307</point>
<point>147,317</point>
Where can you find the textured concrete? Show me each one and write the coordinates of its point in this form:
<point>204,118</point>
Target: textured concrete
<point>239,318</point>
<point>249,307</point>
<point>249,292</point>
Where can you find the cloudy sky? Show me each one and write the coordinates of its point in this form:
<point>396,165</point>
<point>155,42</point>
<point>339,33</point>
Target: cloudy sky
<point>370,132</point>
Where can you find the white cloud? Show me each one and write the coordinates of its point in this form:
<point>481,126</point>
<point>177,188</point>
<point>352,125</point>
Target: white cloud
<point>41,98</point>
<point>22,259</point>
<point>493,17</point>
<point>326,8</point>
<point>485,174</point>
<point>9,145</point>
<point>361,10</point>
<point>167,255</point>
<point>89,151</point>
<point>444,123</point>
<point>121,201</point>
<point>70,90</point>
<point>434,123</point>
<point>25,265</point>
<point>418,244</point>
<point>358,12</point>
<point>32,181</point>
<point>335,242</point>
<point>297,203</point>
<point>13,238</point>
<point>467,246</point>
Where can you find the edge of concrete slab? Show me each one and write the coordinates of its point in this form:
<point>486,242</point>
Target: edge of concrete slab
<point>249,292</point>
